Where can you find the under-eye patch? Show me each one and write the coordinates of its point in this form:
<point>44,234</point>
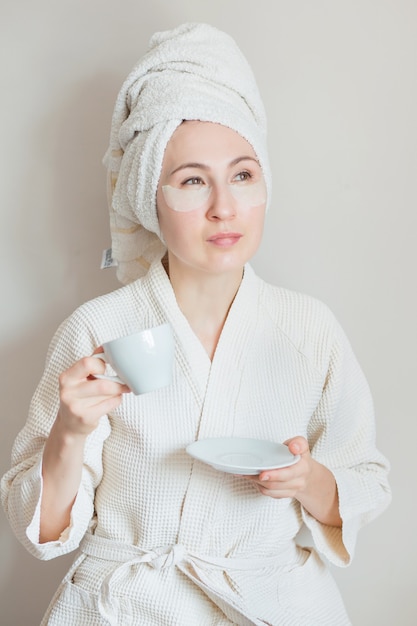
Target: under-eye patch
<point>249,195</point>
<point>187,198</point>
<point>192,197</point>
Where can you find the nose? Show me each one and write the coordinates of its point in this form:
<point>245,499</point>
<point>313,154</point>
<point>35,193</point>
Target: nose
<point>222,204</point>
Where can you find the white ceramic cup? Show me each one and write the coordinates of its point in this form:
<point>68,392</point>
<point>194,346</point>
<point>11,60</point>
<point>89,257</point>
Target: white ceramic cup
<point>143,361</point>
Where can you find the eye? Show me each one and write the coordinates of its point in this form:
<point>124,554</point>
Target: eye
<point>243,176</point>
<point>195,180</point>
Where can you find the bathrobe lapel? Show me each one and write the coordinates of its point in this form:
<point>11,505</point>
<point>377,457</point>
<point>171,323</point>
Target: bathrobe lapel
<point>214,384</point>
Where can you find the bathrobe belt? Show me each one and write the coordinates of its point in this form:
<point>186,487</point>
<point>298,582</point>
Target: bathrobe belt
<point>192,565</point>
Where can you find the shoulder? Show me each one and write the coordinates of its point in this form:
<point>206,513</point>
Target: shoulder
<point>118,313</point>
<point>303,321</point>
<point>101,319</point>
<point>105,308</point>
<point>291,309</point>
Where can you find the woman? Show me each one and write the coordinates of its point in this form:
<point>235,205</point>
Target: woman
<point>164,539</point>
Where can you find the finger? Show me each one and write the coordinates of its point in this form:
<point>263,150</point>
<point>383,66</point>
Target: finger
<point>99,389</point>
<point>276,493</point>
<point>275,476</point>
<point>81,416</point>
<point>282,482</point>
<point>90,393</point>
<point>91,399</point>
<point>81,370</point>
<point>297,445</point>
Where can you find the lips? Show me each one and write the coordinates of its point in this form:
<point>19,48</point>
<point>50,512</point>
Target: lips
<point>225,239</point>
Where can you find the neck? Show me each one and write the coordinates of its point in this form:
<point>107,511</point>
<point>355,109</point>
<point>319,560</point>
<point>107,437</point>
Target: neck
<point>205,300</point>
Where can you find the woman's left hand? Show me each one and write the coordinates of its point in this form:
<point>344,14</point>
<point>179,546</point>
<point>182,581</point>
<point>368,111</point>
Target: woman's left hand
<point>287,482</point>
<point>308,481</point>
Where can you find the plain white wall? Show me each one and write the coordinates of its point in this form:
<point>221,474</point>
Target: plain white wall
<point>339,81</point>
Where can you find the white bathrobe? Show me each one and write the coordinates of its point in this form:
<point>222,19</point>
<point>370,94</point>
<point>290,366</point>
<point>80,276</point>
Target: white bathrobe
<point>169,540</point>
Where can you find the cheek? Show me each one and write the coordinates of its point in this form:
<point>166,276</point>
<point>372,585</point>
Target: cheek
<point>257,219</point>
<point>178,228</point>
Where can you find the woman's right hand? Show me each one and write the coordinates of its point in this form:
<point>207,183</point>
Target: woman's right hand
<point>85,399</point>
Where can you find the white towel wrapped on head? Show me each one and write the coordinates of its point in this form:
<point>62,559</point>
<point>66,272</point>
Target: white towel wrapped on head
<point>194,72</point>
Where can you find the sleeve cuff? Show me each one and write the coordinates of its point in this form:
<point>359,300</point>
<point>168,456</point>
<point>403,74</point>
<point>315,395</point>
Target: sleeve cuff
<point>71,536</point>
<point>359,503</point>
<point>336,544</point>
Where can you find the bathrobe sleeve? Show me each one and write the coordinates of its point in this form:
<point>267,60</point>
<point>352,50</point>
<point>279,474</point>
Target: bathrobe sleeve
<point>21,486</point>
<point>341,434</point>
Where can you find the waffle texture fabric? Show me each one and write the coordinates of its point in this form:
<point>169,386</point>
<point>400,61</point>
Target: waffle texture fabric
<point>192,72</point>
<point>162,539</point>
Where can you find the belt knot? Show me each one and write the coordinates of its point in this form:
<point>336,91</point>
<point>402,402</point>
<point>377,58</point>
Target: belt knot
<point>167,556</point>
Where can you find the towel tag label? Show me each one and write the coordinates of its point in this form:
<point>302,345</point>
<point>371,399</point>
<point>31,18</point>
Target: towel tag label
<point>107,260</point>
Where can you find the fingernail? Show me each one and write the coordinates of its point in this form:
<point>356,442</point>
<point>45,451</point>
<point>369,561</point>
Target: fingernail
<point>265,477</point>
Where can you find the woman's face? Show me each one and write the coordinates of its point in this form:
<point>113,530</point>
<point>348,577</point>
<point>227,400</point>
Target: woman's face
<point>211,199</point>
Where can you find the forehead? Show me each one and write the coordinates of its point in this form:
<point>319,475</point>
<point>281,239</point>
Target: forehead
<point>196,141</point>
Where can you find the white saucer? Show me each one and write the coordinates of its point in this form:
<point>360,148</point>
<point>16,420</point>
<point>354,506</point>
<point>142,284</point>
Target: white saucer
<point>237,455</point>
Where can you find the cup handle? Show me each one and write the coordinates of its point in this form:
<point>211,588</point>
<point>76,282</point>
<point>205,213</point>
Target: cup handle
<point>116,379</point>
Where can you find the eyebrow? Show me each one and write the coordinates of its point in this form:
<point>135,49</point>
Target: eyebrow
<point>202,166</point>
